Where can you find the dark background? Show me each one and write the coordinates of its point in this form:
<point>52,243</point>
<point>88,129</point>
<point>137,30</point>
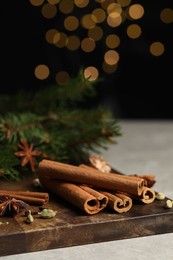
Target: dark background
<point>140,88</point>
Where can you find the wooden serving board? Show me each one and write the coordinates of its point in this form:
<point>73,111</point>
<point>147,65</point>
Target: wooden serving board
<point>72,227</point>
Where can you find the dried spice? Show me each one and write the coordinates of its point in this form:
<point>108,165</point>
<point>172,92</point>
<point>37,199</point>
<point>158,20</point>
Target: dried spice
<point>47,213</point>
<point>149,180</point>
<point>11,206</point>
<point>29,218</point>
<point>168,204</point>
<point>100,164</point>
<point>160,196</point>
<point>27,153</point>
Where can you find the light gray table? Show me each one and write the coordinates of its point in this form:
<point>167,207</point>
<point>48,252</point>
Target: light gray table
<point>145,147</point>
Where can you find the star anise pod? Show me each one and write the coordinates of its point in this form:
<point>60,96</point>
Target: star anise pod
<point>27,154</point>
<point>100,164</point>
<point>11,206</point>
<point>1,171</point>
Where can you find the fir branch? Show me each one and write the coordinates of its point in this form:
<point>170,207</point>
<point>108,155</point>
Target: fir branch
<point>52,121</point>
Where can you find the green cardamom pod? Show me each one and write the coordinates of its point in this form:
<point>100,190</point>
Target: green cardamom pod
<point>160,196</point>
<point>47,213</point>
<point>29,218</point>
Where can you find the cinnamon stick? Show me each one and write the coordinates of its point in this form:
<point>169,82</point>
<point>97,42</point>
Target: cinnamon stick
<point>85,198</point>
<point>148,195</point>
<point>77,174</point>
<point>118,202</point>
<point>32,198</point>
<point>149,180</point>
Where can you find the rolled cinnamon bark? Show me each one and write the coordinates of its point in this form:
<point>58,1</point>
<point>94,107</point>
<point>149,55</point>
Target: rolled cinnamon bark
<point>33,198</point>
<point>119,202</point>
<point>148,195</point>
<point>149,180</point>
<point>77,174</point>
<point>85,198</point>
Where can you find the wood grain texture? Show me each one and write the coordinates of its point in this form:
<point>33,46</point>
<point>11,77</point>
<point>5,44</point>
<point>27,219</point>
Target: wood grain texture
<point>72,227</point>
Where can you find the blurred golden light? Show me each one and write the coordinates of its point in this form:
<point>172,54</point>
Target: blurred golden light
<point>166,15</point>
<point>53,2</point>
<point>109,68</point>
<point>71,23</point>
<point>36,2</point>
<point>136,11</point>
<point>62,77</point>
<point>157,48</point>
<point>88,45</point>
<point>49,11</point>
<point>52,36</point>
<point>114,19</point>
<point>81,3</point>
<point>134,31</point>
<point>124,3</point>
<point>100,1</point>
<point>87,21</point>
<point>112,41</point>
<point>62,40</point>
<point>98,15</point>
<point>42,71</point>
<point>106,3</point>
<point>66,6</point>
<point>73,43</point>
<point>96,33</point>
<point>91,73</point>
<point>114,8</point>
<point>56,37</point>
<point>111,57</point>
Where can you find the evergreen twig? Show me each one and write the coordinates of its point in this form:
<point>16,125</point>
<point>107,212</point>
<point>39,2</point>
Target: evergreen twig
<point>54,122</point>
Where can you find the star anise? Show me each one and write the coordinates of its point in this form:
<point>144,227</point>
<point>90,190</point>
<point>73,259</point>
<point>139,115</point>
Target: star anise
<point>11,206</point>
<point>1,171</point>
<point>27,153</point>
<point>100,164</point>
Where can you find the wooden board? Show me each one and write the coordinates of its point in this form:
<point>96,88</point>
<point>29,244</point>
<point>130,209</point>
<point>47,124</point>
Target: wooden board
<point>72,227</point>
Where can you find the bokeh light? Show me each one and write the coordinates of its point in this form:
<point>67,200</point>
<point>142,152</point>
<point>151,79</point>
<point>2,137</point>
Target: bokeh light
<point>73,43</point>
<point>157,48</point>
<point>42,72</point>
<point>36,2</point>
<point>96,33</point>
<point>61,40</point>
<point>71,23</point>
<point>94,28</point>
<point>124,3</point>
<point>134,31</point>
<point>111,57</point>
<point>53,2</point>
<point>166,15</point>
<point>91,73</point>
<point>81,3</point>
<point>88,45</point>
<point>62,77</point>
<point>98,15</point>
<point>49,11</point>
<point>66,6</point>
<point>112,41</point>
<point>136,11</point>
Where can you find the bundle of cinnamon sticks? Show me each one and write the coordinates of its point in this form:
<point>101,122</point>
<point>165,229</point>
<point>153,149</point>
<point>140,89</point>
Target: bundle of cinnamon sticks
<point>92,190</point>
<point>30,197</point>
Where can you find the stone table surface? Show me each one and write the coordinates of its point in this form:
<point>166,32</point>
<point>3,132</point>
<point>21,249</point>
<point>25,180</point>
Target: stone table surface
<point>145,147</point>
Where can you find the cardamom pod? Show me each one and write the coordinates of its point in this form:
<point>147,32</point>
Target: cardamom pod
<point>47,213</point>
<point>29,218</point>
<point>168,204</point>
<point>160,196</point>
